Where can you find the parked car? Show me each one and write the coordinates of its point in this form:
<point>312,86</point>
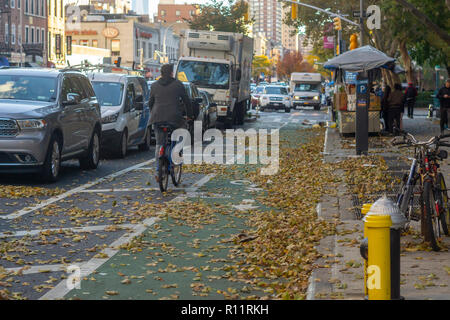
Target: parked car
<point>256,95</point>
<point>210,111</point>
<point>47,116</point>
<point>196,101</point>
<point>125,112</point>
<point>275,97</point>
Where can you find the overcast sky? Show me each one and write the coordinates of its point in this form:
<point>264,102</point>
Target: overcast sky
<point>154,4</point>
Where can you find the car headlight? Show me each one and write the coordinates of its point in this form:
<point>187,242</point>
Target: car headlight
<point>31,124</point>
<point>111,118</point>
<point>297,97</point>
<point>316,98</point>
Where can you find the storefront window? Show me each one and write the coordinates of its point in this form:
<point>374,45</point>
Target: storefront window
<point>115,47</point>
<point>95,43</point>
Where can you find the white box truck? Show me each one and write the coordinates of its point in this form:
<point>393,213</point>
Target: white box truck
<point>219,63</point>
<point>306,89</point>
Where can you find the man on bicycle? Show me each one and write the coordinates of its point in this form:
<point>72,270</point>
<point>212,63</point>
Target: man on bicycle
<point>166,107</point>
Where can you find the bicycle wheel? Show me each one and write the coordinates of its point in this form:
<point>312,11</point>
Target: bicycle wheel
<point>444,213</point>
<point>176,174</point>
<point>163,174</point>
<point>431,216</point>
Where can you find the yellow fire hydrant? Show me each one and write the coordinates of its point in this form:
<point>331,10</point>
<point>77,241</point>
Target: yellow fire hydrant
<point>379,257</point>
<point>375,249</point>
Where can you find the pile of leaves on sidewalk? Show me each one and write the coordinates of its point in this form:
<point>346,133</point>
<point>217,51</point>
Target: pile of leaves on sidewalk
<point>287,234</point>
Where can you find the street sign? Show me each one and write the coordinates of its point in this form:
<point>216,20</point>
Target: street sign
<point>356,14</point>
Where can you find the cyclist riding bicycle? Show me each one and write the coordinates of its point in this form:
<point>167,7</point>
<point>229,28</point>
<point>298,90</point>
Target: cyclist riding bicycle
<point>165,106</point>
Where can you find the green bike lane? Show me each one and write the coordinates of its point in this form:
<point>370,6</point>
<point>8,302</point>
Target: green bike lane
<point>194,250</point>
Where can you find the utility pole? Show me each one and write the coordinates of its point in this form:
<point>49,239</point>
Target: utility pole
<point>361,21</point>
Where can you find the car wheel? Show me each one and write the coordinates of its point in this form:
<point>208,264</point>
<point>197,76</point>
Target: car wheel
<point>317,108</point>
<point>52,164</point>
<point>145,146</point>
<point>91,160</point>
<point>123,145</point>
<point>287,110</point>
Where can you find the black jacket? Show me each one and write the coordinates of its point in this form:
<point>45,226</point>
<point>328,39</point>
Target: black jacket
<point>445,102</point>
<point>165,102</point>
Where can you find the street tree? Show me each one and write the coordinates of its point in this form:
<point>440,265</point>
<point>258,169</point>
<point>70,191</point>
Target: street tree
<point>292,62</point>
<point>261,64</point>
<point>227,16</point>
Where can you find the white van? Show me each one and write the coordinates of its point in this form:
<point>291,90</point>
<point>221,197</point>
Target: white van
<point>125,111</point>
<point>306,89</point>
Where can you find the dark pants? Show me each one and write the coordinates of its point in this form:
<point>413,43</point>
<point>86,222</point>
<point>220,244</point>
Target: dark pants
<point>411,108</point>
<point>445,115</point>
<point>394,117</point>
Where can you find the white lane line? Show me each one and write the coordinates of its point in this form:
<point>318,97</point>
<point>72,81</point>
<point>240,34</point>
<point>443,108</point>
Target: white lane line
<point>61,289</point>
<point>66,194</point>
<point>118,190</point>
<point>24,233</point>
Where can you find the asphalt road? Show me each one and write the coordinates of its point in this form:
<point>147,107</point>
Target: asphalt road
<point>88,214</point>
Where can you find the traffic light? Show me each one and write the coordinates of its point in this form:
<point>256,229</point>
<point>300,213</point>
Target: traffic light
<point>247,13</point>
<point>294,11</point>
<point>337,23</point>
<point>117,61</point>
<point>353,41</point>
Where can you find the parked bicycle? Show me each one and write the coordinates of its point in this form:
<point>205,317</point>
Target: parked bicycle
<point>431,186</point>
<point>166,166</point>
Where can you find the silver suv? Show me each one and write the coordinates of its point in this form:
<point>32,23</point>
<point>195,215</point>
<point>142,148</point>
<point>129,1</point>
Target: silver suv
<point>47,116</point>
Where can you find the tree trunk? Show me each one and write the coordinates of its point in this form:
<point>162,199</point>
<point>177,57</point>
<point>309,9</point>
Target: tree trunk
<point>407,61</point>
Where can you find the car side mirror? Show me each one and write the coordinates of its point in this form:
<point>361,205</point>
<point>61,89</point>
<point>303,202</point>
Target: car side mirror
<point>198,100</point>
<point>72,99</point>
<point>139,99</point>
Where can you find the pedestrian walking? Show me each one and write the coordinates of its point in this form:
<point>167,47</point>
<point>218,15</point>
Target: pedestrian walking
<point>444,99</point>
<point>410,96</point>
<point>396,102</point>
<point>385,107</point>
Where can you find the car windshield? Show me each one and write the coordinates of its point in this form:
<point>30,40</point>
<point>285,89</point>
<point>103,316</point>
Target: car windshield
<point>108,93</point>
<point>205,74</point>
<point>276,90</point>
<point>307,87</point>
<point>259,89</point>
<point>24,87</point>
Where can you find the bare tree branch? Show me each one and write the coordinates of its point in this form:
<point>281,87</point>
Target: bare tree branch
<point>427,21</point>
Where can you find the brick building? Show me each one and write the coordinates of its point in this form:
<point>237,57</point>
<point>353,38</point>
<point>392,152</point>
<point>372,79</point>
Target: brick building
<point>170,12</point>
<point>23,31</point>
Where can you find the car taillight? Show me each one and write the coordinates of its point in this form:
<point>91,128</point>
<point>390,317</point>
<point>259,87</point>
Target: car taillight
<point>161,151</point>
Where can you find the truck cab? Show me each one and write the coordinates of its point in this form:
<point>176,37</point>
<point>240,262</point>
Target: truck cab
<point>220,64</point>
<point>306,89</point>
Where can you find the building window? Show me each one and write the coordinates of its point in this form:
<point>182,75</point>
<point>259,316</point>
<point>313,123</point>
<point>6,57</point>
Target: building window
<point>74,42</point>
<point>32,6</point>
<point>115,47</point>
<point>178,13</point>
<point>18,4</point>
<point>84,43</point>
<point>56,8</point>
<point>43,8</point>
<point>43,36</point>
<point>95,43</point>
<point>37,36</point>
<point>150,51</point>
<point>6,33</point>
<point>32,35</point>
<point>26,34</point>
<point>163,13</point>
<point>13,4</point>
<point>26,6</point>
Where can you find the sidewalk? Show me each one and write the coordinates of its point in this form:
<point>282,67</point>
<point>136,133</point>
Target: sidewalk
<point>424,274</point>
